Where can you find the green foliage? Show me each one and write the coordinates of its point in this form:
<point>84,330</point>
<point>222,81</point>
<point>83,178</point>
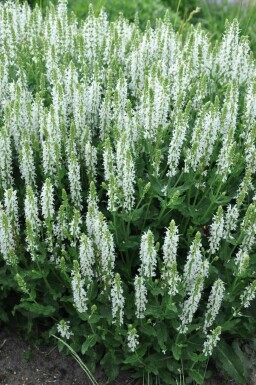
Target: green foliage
<point>214,14</point>
<point>145,9</point>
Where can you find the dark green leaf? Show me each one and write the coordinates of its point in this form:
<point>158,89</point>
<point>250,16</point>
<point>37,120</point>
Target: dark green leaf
<point>176,351</point>
<point>90,342</point>
<point>230,362</point>
<point>162,335</point>
<point>137,356</point>
<point>35,308</point>
<point>147,329</point>
<point>196,376</point>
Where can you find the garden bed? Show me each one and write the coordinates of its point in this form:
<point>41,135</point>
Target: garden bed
<point>23,363</point>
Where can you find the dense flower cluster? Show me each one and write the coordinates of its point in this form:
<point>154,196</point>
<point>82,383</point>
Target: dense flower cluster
<point>127,174</point>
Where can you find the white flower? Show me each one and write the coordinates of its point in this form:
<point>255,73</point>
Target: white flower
<point>90,157</point>
<point>32,222</point>
<point>204,136</point>
<point>140,296</point>
<point>170,246</point>
<point>226,156</point>
<point>248,226</point>
<point>244,187</point>
<point>191,304</point>
<point>230,221</point>
<point>180,125</point>
<point>7,243</point>
<point>74,227</point>
<point>27,165</point>
<point>242,260</point>
<point>6,172</point>
<point>31,208</point>
<point>79,293</point>
<point>214,303</point>
<point>211,341</point>
<point>86,257</point>
<point>126,177</point>
<point>248,294</point>
<point>61,227</point>
<point>11,209</point>
<point>195,266</point>
<point>47,200</point>
<point>148,255</point>
<point>216,231</point>
<point>63,328</point>
<point>133,339</point>
<point>117,300</point>
<point>74,180</point>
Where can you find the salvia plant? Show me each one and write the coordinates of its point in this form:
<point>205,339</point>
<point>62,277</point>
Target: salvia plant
<point>127,190</point>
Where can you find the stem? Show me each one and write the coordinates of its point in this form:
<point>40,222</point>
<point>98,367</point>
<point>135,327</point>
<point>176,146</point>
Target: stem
<point>44,278</point>
<point>212,203</point>
<point>115,226</point>
<point>187,221</point>
<point>179,178</point>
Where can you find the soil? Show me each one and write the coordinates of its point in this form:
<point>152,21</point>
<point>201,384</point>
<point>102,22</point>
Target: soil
<point>22,363</point>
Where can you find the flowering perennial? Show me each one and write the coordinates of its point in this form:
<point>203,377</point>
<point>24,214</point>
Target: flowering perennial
<point>127,177</point>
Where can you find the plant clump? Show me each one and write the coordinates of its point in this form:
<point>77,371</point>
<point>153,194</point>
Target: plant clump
<point>127,202</point>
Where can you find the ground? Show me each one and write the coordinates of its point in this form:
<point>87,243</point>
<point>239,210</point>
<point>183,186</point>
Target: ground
<point>25,364</point>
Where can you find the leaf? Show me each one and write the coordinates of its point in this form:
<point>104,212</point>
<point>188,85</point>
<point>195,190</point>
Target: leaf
<point>33,274</point>
<point>196,357</point>
<point>247,364</point>
<point>162,335</point>
<point>94,318</point>
<point>35,308</point>
<point>176,351</point>
<point>156,186</point>
<point>135,214</point>
<point>4,316</point>
<point>152,310</point>
<point>147,329</point>
<point>156,291</point>
<point>136,357</point>
<point>89,343</point>
<point>230,362</point>
<point>171,311</point>
<point>153,363</point>
<point>196,376</point>
<point>131,243</point>
<point>230,325</point>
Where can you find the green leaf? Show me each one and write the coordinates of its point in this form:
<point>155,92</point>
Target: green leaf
<point>156,185</point>
<point>131,243</point>
<point>147,329</point>
<point>94,318</point>
<point>89,343</point>
<point>33,274</point>
<point>247,364</point>
<point>35,308</point>
<point>157,291</point>
<point>195,357</point>
<point>135,215</point>
<point>136,357</point>
<point>230,362</point>
<point>171,311</point>
<point>176,351</point>
<point>151,367</point>
<point>229,325</point>
<point>162,335</point>
<point>196,376</point>
<point>111,362</point>
<point>153,310</point>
